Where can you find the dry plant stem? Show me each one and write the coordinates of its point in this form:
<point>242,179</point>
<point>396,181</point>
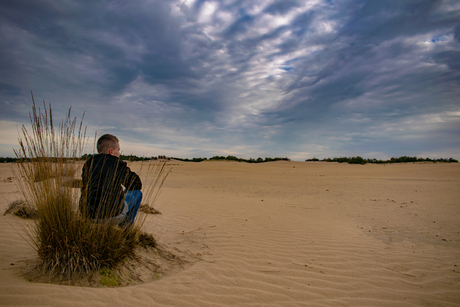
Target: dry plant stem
<point>156,176</point>
<point>47,156</point>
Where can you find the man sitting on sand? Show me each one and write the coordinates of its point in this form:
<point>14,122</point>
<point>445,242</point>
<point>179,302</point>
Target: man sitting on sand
<point>104,176</point>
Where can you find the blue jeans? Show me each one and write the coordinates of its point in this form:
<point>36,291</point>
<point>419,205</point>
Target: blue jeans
<point>133,199</point>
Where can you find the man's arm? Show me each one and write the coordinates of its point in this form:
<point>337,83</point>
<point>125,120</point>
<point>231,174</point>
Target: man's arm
<point>132,180</point>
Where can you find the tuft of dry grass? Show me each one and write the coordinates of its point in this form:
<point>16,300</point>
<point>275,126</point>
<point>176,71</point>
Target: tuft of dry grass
<point>149,210</point>
<point>67,243</point>
<point>22,209</point>
<point>146,240</point>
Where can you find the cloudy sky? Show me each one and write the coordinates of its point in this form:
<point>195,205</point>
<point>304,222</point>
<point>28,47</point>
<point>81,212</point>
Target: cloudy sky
<point>251,78</point>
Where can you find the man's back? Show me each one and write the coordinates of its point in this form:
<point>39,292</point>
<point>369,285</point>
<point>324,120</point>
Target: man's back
<point>102,193</point>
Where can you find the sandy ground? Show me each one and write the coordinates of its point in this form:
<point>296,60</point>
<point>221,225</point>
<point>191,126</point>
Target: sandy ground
<point>280,234</point>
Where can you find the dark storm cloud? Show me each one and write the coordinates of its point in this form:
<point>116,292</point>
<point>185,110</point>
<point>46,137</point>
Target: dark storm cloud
<point>450,58</point>
<point>108,33</point>
<point>281,7</point>
<point>296,78</point>
<point>240,25</point>
<point>356,55</point>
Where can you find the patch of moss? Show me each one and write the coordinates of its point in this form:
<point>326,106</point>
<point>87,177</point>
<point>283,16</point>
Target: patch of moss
<point>109,279</point>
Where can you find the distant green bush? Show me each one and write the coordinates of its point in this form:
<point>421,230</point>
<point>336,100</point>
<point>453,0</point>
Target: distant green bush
<point>357,160</point>
<point>190,160</point>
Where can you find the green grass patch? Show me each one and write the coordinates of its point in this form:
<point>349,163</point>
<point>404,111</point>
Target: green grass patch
<point>108,278</point>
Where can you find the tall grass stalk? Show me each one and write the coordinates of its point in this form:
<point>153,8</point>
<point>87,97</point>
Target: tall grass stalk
<point>157,172</point>
<point>67,243</point>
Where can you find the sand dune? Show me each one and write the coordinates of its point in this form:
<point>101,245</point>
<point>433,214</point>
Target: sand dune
<point>280,234</point>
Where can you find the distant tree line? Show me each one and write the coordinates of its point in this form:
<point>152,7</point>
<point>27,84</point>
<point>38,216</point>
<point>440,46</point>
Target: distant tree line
<point>403,159</point>
<point>50,159</point>
<point>5,160</point>
<point>351,160</point>
<point>85,157</point>
<point>233,158</point>
<point>191,160</point>
<point>123,157</point>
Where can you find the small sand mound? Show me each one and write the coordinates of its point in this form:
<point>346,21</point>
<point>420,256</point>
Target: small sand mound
<point>149,264</point>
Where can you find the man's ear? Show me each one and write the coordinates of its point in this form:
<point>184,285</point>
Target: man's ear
<point>111,151</point>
